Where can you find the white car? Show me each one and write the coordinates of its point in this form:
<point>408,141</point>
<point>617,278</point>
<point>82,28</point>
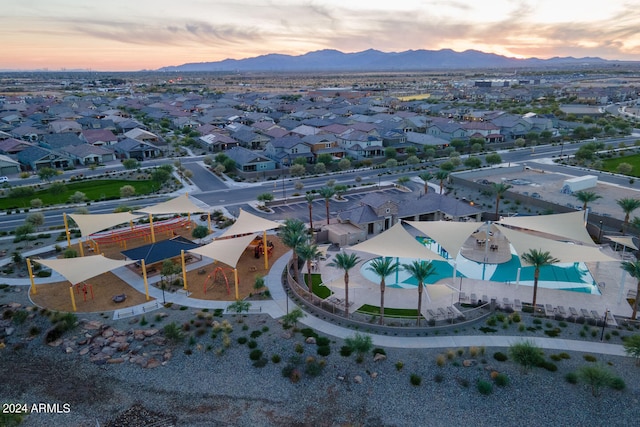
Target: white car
<point>4,179</point>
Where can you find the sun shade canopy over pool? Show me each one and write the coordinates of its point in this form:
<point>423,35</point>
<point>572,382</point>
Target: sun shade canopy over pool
<point>568,225</point>
<point>396,242</point>
<point>449,234</point>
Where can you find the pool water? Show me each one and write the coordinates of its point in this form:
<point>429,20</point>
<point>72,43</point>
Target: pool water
<point>563,276</point>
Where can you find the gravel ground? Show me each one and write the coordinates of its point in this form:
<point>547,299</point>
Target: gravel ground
<point>219,386</point>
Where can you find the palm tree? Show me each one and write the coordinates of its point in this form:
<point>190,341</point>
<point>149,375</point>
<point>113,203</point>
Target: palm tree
<point>346,262</point>
<point>586,197</point>
<point>426,176</point>
<point>628,205</point>
<point>327,193</point>
<point>382,267</point>
<point>420,270</point>
<point>310,197</point>
<point>292,234</point>
<point>537,258</point>
<point>441,175</point>
<point>500,188</point>
<point>308,252</point>
<point>633,268</point>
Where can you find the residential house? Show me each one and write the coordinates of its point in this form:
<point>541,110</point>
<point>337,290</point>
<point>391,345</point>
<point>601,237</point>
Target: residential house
<point>13,146</point>
<point>55,141</point>
<point>133,149</point>
<point>250,139</point>
<point>486,131</point>
<point>512,126</point>
<point>324,144</point>
<point>447,130</point>
<point>87,154</point>
<point>142,135</point>
<point>61,126</point>
<point>216,142</point>
<point>35,158</point>
<point>424,140</point>
<point>8,166</point>
<point>250,161</point>
<point>361,144</point>
<point>287,149</point>
<point>98,137</point>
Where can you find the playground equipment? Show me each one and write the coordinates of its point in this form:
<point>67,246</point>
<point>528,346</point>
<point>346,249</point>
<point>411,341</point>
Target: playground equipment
<point>216,279</point>
<point>85,289</point>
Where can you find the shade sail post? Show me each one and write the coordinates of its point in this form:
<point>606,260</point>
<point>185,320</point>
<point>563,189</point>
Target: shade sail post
<point>153,234</point>
<point>80,244</point>
<point>66,229</point>
<point>131,224</point>
<point>184,269</point>
<point>209,221</point>
<point>235,279</point>
<point>33,283</point>
<point>144,278</point>
<point>265,248</point>
<point>73,298</point>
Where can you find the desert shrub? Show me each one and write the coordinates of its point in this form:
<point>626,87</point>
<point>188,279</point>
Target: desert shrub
<point>242,340</point>
<point>501,380</point>
<point>261,362</point>
<point>484,387</point>
<point>379,350</point>
<point>299,348</point>
<point>313,368</point>
<point>571,378</point>
<point>415,379</point>
<point>590,358</point>
<point>345,351</point>
<point>323,341</point>
<point>618,383</point>
<point>526,354</point>
<point>275,358</point>
<point>441,360</point>
<point>500,356</point>
<point>173,333</point>
<point>549,366</point>
<point>252,344</point>
<point>324,350</point>
<point>438,378</point>
<point>255,334</point>
<point>399,365</point>
<point>255,354</point>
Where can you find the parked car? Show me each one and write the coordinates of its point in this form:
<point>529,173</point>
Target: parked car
<point>4,179</point>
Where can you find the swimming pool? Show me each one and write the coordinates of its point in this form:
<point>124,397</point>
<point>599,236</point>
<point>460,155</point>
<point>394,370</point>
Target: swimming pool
<point>573,277</point>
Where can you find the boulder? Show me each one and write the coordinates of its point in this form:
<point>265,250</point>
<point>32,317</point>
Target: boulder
<point>357,379</point>
<point>469,362</point>
<point>150,332</point>
<point>379,357</point>
<point>310,340</point>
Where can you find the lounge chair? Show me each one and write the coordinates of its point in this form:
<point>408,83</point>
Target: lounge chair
<point>562,311</point>
<point>463,297</point>
<point>506,302</point>
<point>450,312</point>
<point>573,312</point>
<point>517,305</point>
<point>474,299</point>
<point>485,299</point>
<point>442,313</point>
<point>432,314</point>
<point>549,310</point>
<point>585,313</point>
<point>596,315</point>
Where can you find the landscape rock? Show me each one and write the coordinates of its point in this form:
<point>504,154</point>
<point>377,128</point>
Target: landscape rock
<point>379,357</point>
<point>469,362</point>
<point>310,340</point>
<point>357,379</point>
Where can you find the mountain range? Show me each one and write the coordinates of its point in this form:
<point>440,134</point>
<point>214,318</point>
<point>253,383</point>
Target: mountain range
<point>375,60</point>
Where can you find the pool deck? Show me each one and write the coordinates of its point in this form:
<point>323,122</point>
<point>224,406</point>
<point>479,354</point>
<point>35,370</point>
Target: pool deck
<point>612,298</point>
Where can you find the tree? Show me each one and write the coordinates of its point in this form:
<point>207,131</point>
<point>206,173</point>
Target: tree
<point>77,197</point>
<point>429,153</point>
<point>169,270</point>
<point>46,174</point>
<point>631,346</point>
<point>345,262</point>
<point>130,164</point>
<point>239,306</point>
<point>382,267</point>
<point>302,161</point>
<point>265,197</point>
<point>390,153</point>
<point>292,235</point>
<point>340,189</point>
<point>526,354</point>
<point>297,170</point>
<point>499,188</point>
<point>633,268</point>
<point>493,159</point>
<point>308,252</point>
<point>319,168</point>
<point>413,160</point>
<point>310,197</point>
<point>325,159</point>
<point>596,377</point>
<point>403,180</point>
<point>160,176</point>
<point>36,203</point>
<point>290,319</point>
<point>258,283</point>
<point>628,205</point>
<point>57,188</point>
<point>36,219</point>
<point>344,164</point>
<point>586,197</point>
<point>420,270</point>
<point>200,232</point>
<point>472,162</point>
<point>327,193</point>
<point>441,176</point>
<point>390,163</point>
<point>425,177</point>
<point>447,166</point>
<point>127,191</point>
<point>23,231</point>
<point>538,259</point>
<point>298,185</point>
<point>624,168</point>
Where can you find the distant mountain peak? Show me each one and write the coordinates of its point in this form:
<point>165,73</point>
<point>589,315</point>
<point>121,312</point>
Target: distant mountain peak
<point>375,60</point>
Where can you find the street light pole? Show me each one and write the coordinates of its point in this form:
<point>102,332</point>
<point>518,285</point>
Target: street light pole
<point>600,233</point>
<point>604,323</point>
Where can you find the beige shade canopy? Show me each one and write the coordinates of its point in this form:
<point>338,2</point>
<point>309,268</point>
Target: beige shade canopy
<point>92,223</point>
<point>396,242</point>
<point>77,270</point>
<point>438,291</point>
<point>568,225</point>
<point>450,235</point>
<point>227,251</point>
<point>624,241</point>
<point>564,252</point>
<point>249,223</point>
<point>181,204</point>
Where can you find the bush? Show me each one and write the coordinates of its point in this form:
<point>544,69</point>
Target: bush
<point>549,366</point>
<point>589,358</point>
<point>261,363</point>
<point>441,360</point>
<point>571,378</point>
<point>313,368</point>
<point>324,350</point>
<point>173,333</point>
<point>399,365</point>
<point>255,354</point>
<point>242,340</point>
<point>501,380</point>
<point>275,358</point>
<point>252,344</point>
<point>618,383</point>
<point>255,334</point>
<point>345,351</point>
<point>415,379</point>
<point>500,357</point>
<point>323,341</point>
<point>484,387</point>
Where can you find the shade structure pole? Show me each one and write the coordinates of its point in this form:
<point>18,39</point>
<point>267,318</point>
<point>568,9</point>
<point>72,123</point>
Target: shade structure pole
<point>80,244</point>
<point>153,234</point>
<point>518,276</point>
<point>265,249</point>
<point>33,283</point>
<point>184,269</point>
<point>235,279</point>
<point>73,299</point>
<point>66,229</point>
<point>144,278</point>
<point>131,224</point>
<point>209,221</point>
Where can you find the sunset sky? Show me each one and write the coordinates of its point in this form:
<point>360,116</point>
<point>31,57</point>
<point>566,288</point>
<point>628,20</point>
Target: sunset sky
<point>148,34</point>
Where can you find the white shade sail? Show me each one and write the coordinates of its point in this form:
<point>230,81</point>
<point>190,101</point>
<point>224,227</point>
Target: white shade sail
<point>227,251</point>
<point>568,225</point>
<point>396,242</point>
<point>92,223</point>
<point>181,204</point>
<point>77,270</point>
<point>249,223</point>
<point>450,235</point>
<point>624,241</point>
<point>564,252</point>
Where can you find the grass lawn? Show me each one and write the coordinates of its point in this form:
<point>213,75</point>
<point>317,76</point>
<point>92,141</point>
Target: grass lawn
<point>389,312</point>
<point>610,165</point>
<point>95,190</point>
<point>320,291</point>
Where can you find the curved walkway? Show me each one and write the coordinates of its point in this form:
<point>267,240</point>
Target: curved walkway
<point>281,304</point>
